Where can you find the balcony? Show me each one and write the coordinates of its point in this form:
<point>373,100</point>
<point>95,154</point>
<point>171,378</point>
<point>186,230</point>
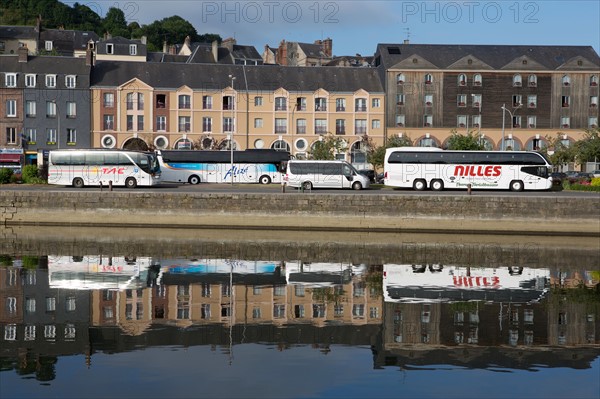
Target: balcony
<point>516,125</point>
<point>428,104</point>
<point>300,107</point>
<point>565,105</point>
<point>531,105</point>
<point>565,125</point>
<point>400,124</point>
<point>532,125</point>
<point>475,105</point>
<point>427,124</point>
<point>532,84</point>
<point>227,107</point>
<point>360,108</point>
<point>477,83</point>
<point>516,84</point>
<point>461,125</point>
<point>280,108</point>
<point>340,109</point>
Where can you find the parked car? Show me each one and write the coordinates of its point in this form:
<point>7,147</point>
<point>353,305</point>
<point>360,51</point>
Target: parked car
<point>596,173</point>
<point>370,173</point>
<point>579,176</point>
<point>379,179</point>
<point>558,177</point>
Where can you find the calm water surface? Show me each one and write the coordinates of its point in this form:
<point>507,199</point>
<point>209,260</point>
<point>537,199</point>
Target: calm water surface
<point>102,324</point>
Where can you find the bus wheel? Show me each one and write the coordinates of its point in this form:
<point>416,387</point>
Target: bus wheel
<point>516,185</point>
<point>356,186</point>
<point>193,179</point>
<point>420,185</point>
<point>264,179</point>
<point>437,185</point>
<point>307,186</point>
<point>130,182</point>
<point>78,182</point>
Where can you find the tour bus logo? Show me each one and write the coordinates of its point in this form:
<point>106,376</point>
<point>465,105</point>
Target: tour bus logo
<point>113,171</point>
<point>236,171</point>
<point>477,171</point>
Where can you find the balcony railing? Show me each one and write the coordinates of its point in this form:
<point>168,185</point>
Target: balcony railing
<point>320,129</point>
<point>360,108</point>
<point>280,129</point>
<point>360,130</point>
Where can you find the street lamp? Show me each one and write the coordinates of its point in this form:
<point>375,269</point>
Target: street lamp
<point>232,124</point>
<point>504,109</point>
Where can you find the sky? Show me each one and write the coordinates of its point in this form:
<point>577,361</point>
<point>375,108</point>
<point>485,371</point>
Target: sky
<point>357,26</point>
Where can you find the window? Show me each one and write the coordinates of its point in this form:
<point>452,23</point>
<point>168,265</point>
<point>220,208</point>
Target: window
<point>532,101</point>
<point>70,81</point>
<point>280,104</point>
<point>340,126</point>
<point>184,101</point>
<point>318,310</point>
<point>428,100</point>
<point>228,124</point>
<point>476,100</point>
<point>301,104</point>
<point>109,122</point>
<point>71,136</point>
<point>280,125</point>
<point>71,109</point>
<point>476,120</point>
<point>11,108</point>
<point>360,126</point>
<point>517,81</point>
<point>358,311</point>
<point>161,100</point>
<point>258,123</point>
<point>140,122</point>
<point>532,81</point>
<point>477,81</point>
<point>48,45</point>
<point>516,120</point>
<point>140,101</point>
<point>11,135</point>
<point>360,105</point>
<point>320,126</point>
<point>31,135</point>
<point>184,124</point>
<point>461,100</point>
<point>400,120</point>
<point>566,80</point>
<point>50,81</point>
<point>517,100</point>
<point>109,48</point>
<point>594,101</point>
<point>375,103</point>
<point>50,136</point>
<point>400,98</point>
<point>400,78</point>
<point>258,101</point>
<point>228,102</point>
<point>10,80</point>
<point>593,122</point>
<point>461,120</point>
<point>427,120</point>
<point>566,101</point>
<point>132,49</point>
<point>109,100</point>
<point>531,121</point>
<point>207,102</point>
<point>428,79</point>
<point>594,80</point>
<point>462,79</point>
<point>30,80</point>
<point>205,311</point>
<point>373,312</point>
<point>320,104</point>
<point>278,311</point>
<point>301,126</point>
<point>375,124</point>
<point>161,123</point>
<point>129,122</point>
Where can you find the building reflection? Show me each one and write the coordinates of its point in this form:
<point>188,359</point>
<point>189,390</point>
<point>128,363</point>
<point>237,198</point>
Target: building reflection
<point>410,315</point>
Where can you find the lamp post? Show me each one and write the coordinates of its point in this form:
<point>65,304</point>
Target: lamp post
<point>504,109</point>
<point>232,124</point>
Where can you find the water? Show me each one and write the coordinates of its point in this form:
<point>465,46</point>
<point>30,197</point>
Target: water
<point>233,315</point>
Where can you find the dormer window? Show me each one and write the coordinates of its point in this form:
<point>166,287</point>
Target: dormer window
<point>566,80</point>
<point>477,80</point>
<point>462,79</point>
<point>133,49</point>
<point>428,79</point>
<point>10,80</point>
<point>30,80</point>
<point>48,45</point>
<point>517,81</point>
<point>110,48</point>
<point>70,81</point>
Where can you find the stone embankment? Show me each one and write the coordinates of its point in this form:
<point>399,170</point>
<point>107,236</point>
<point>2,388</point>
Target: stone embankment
<point>345,212</point>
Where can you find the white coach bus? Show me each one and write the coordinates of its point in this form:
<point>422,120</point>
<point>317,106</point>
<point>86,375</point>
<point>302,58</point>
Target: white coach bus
<point>97,167</point>
<point>421,168</point>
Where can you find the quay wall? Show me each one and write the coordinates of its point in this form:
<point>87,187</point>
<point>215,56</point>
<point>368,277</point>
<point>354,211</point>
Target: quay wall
<point>347,212</point>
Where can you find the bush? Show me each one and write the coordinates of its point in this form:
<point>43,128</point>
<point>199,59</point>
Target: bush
<point>595,182</point>
<point>16,178</point>
<point>5,175</point>
<point>31,175</point>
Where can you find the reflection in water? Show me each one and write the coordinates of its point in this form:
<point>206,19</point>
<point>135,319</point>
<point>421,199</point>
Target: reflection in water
<point>410,315</point>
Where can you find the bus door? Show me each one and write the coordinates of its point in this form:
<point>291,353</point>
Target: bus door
<point>535,177</point>
<point>347,176</point>
<point>212,173</point>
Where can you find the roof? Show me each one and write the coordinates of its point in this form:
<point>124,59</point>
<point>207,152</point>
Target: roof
<point>45,65</point>
<point>312,50</point>
<point>67,41</point>
<point>443,56</point>
<point>216,76</point>
<point>18,32</point>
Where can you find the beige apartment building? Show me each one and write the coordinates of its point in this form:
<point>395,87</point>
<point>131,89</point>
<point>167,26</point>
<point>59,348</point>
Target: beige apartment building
<point>203,106</point>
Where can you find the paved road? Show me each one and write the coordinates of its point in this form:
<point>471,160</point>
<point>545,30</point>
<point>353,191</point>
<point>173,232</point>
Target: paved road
<point>276,188</point>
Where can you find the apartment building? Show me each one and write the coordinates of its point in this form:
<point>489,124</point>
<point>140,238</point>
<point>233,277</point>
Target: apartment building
<point>533,91</point>
<point>207,106</point>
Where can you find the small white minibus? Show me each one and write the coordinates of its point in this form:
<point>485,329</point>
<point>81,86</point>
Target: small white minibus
<point>324,174</point>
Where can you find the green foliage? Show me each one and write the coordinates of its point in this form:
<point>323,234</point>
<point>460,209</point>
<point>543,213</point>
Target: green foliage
<point>588,148</point>
<point>114,23</point>
<point>16,178</point>
<point>171,29</point>
<point>6,260</point>
<point>595,182</point>
<point>326,148</point>
<point>31,175</point>
<point>463,142</point>
<point>5,175</point>
<point>560,153</point>
<point>376,156</point>
<point>30,262</point>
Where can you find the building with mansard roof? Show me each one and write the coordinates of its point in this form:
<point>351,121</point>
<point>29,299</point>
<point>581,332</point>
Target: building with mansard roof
<point>535,92</point>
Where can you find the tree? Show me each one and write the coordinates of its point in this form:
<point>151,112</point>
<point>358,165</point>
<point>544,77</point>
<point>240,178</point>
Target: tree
<point>172,30</point>
<point>467,142</point>
<point>588,148</point>
<point>557,152</point>
<point>376,155</point>
<point>115,23</point>
<point>326,148</point>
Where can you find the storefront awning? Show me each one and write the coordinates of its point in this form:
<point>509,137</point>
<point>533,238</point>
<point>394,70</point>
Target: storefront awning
<point>10,158</point>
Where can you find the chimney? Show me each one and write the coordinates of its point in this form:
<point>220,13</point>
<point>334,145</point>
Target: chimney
<point>187,42</point>
<point>406,41</point>
<point>173,49</point>
<point>327,46</point>
<point>281,56</point>
<point>229,43</point>
<point>165,47</point>
<point>144,39</point>
<point>89,57</point>
<point>215,50</point>
<point>22,52</point>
